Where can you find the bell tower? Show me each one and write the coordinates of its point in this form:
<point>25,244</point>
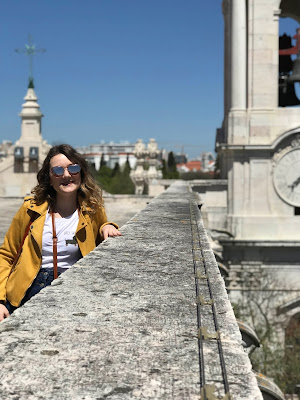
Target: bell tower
<point>259,143</point>
<point>31,116</point>
<point>29,150</point>
<point>19,169</point>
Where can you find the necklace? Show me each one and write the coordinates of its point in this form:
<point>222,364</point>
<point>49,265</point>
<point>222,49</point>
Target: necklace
<point>54,238</point>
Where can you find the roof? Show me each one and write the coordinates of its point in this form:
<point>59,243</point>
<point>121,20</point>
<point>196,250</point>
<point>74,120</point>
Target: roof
<point>194,165</point>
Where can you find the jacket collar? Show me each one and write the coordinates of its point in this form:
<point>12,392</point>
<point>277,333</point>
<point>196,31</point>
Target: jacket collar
<point>31,205</point>
<point>40,209</point>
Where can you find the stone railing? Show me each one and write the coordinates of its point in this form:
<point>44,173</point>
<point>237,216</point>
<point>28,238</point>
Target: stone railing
<point>143,316</point>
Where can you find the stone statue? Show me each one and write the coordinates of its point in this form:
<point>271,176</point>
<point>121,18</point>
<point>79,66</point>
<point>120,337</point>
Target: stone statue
<point>138,176</point>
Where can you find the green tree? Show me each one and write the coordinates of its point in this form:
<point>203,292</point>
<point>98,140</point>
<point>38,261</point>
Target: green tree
<point>121,182</point>
<point>116,169</point>
<point>116,180</point>
<point>127,167</point>
<point>171,162</point>
<point>102,162</point>
<point>104,177</point>
<point>258,307</point>
<point>164,169</point>
<point>169,170</point>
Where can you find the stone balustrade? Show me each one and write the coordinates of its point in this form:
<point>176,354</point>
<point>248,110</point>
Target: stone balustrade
<point>143,316</point>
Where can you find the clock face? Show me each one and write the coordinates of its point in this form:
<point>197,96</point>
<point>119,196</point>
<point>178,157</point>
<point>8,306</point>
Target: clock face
<point>287,178</point>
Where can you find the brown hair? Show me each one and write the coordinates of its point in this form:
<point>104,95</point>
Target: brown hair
<point>89,190</point>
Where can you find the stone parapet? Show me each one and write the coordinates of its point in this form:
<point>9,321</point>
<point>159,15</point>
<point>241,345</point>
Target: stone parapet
<point>132,320</point>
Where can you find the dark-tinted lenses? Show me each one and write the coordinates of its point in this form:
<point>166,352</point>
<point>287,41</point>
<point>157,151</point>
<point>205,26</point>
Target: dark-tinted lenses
<point>73,169</point>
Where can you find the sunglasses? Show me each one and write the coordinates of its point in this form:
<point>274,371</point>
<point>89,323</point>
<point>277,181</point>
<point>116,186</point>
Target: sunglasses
<point>73,169</point>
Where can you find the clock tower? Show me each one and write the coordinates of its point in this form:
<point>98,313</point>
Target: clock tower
<point>258,145</point>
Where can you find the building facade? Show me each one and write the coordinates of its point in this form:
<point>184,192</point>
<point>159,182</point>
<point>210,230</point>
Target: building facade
<point>258,149</point>
<point>112,153</point>
<point>258,142</point>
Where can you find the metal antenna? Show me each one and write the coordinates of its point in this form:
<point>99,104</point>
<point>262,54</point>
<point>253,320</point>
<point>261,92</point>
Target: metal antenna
<point>30,51</point>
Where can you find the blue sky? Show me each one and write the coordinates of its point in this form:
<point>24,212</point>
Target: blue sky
<point>116,70</point>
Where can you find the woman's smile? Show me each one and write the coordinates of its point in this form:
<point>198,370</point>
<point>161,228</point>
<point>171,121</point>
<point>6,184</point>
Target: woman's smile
<point>65,184</point>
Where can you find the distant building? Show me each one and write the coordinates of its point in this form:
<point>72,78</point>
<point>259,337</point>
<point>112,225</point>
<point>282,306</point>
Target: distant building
<point>180,158</point>
<point>4,148</point>
<point>190,166</point>
<point>112,153</point>
<point>206,163</point>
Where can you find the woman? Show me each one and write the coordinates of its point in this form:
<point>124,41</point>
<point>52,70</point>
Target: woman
<point>65,220</point>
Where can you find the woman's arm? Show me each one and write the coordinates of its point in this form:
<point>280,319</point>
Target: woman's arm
<point>105,227</point>
<point>10,247</point>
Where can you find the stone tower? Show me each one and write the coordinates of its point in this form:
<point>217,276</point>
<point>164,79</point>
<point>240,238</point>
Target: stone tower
<point>19,169</point>
<point>258,149</point>
<point>258,145</point>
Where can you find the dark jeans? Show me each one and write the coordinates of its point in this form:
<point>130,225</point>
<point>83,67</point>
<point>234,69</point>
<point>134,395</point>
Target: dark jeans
<point>43,279</point>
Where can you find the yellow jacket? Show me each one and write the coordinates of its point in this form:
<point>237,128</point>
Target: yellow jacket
<point>13,285</point>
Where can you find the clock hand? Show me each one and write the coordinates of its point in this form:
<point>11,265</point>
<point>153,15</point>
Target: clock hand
<point>295,183</point>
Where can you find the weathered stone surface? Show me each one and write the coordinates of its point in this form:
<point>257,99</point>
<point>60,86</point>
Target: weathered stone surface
<point>122,323</point>
<point>118,208</point>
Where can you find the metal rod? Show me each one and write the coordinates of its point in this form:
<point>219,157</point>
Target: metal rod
<point>219,342</point>
<point>200,340</point>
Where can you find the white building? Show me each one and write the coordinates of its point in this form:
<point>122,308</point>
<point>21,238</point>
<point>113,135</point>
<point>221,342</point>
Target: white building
<point>112,153</point>
<point>5,148</point>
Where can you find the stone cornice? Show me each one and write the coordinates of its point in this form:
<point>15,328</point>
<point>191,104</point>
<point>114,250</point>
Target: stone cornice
<point>259,243</point>
<point>248,147</point>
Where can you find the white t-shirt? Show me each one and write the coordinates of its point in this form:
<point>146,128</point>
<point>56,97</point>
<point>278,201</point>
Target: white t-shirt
<point>67,248</point>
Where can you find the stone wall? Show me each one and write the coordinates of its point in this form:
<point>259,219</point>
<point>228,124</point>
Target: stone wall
<point>132,320</point>
<point>213,197</point>
<point>119,208</point>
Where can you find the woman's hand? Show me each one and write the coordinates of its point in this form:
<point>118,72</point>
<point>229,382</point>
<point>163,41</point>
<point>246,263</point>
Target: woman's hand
<point>110,230</point>
<point>3,312</point>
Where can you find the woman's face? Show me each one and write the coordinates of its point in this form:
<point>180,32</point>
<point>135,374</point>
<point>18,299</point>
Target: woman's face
<point>67,184</point>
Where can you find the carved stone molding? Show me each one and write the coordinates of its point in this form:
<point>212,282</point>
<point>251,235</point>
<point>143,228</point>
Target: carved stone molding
<point>292,143</point>
<point>139,176</point>
<point>296,141</point>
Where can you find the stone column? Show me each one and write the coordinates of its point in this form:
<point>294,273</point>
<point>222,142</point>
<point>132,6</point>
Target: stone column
<point>153,174</point>
<point>238,55</point>
<point>153,153</point>
<point>227,55</point>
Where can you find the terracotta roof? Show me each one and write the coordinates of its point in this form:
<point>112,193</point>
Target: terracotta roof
<point>194,165</point>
